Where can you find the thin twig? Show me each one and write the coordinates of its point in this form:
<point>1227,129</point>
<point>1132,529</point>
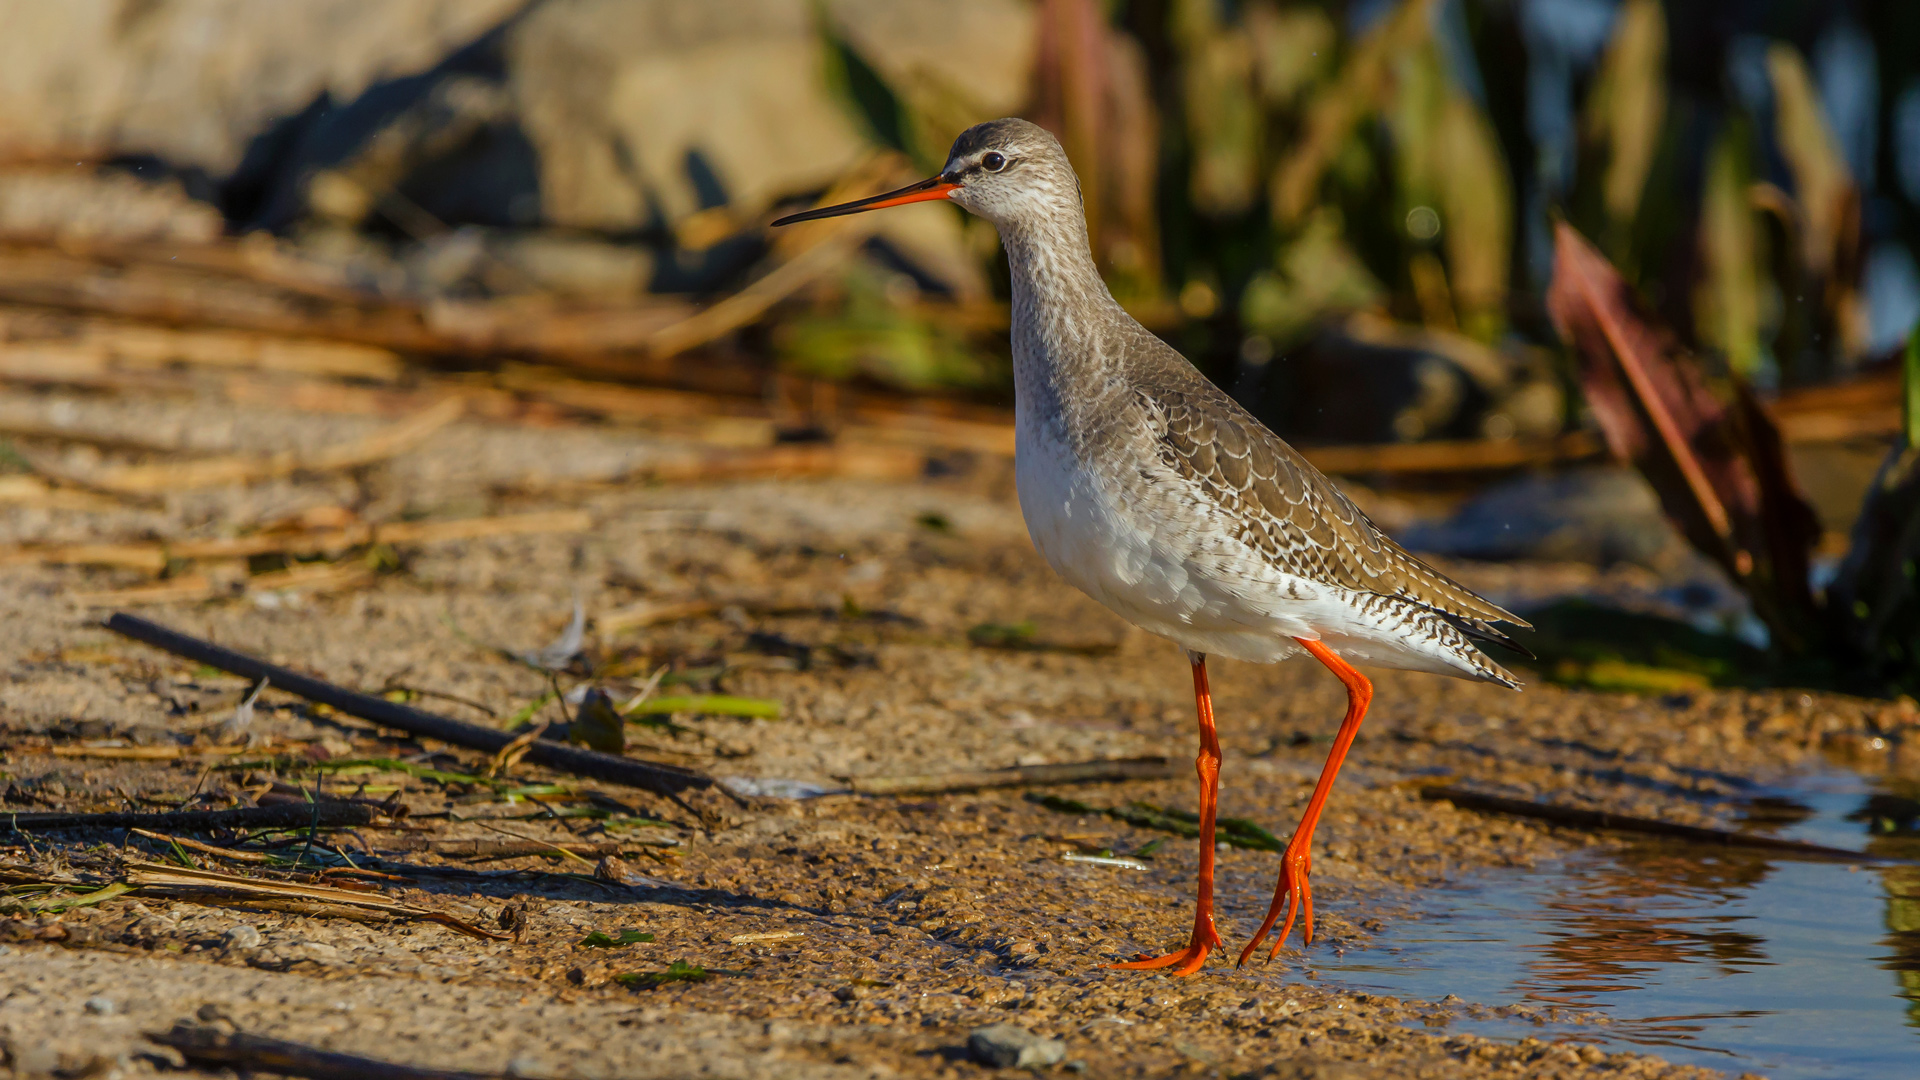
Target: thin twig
<point>256,857</point>
<point>528,839</point>
<point>510,754</point>
<point>650,776</point>
<point>514,849</point>
<point>1578,818</point>
<point>286,816</point>
<point>1086,772</point>
<point>442,695</point>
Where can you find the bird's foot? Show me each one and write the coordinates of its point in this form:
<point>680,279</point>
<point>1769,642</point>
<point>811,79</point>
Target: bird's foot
<point>1188,960</point>
<point>1295,894</point>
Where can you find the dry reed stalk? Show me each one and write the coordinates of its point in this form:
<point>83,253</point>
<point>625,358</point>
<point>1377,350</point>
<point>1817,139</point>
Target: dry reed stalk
<point>187,587</point>
<point>218,889</point>
<point>806,255</point>
<point>236,469</point>
<point>148,557</point>
<point>1469,455</point>
<point>149,753</point>
<point>642,615</point>
<point>154,557</point>
<point>312,579</point>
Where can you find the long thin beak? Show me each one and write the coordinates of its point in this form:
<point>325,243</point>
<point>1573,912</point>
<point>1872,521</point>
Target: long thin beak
<point>925,191</point>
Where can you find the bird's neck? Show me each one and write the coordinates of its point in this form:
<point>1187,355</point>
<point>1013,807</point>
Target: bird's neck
<point>1060,302</point>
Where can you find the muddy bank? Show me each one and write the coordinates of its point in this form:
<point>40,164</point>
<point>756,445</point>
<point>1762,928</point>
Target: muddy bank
<point>857,936</point>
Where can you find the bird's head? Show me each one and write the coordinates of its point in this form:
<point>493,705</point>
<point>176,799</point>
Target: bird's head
<point>1002,170</point>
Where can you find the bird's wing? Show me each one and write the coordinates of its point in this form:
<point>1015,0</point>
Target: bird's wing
<point>1294,515</point>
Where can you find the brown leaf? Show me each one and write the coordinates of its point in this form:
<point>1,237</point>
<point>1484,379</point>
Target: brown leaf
<point>1716,460</point>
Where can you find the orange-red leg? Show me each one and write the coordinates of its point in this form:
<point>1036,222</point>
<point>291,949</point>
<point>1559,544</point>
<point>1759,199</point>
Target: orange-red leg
<point>1293,891</point>
<point>1205,938</point>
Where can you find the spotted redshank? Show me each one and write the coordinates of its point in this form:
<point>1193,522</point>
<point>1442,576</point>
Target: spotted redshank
<point>1156,494</point>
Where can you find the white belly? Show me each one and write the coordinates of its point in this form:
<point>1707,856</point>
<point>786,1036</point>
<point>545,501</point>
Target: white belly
<point>1138,559</point>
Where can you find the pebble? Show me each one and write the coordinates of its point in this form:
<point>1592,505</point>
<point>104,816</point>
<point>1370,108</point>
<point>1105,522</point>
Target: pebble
<point>242,937</point>
<point>34,1060</point>
<point>1004,1045</point>
<point>100,1006</point>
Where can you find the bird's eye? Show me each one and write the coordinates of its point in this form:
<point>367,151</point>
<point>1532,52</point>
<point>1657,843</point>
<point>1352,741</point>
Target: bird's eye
<point>993,161</point>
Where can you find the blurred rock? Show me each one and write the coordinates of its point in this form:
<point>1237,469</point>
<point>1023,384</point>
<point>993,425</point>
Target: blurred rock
<point>579,267</point>
<point>656,110</point>
<point>1365,379</point>
<point>243,937</point>
<point>1007,1046</point>
<point>72,204</point>
<point>653,110</point>
<point>417,152</point>
<point>1338,389</point>
<point>448,264</point>
<point>646,114</point>
<point>372,134</point>
<point>195,81</point>
<point>482,262</point>
<point>953,65</point>
<point>1601,515</point>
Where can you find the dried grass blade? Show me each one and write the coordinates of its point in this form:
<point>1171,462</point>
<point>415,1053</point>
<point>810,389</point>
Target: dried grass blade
<point>241,469</point>
<point>213,886</point>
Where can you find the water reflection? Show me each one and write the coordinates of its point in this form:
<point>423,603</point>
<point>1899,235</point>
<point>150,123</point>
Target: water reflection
<point>1661,912</point>
<point>1903,924</point>
<point>1711,957</point>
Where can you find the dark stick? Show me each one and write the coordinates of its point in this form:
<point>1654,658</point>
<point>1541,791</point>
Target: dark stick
<point>1086,772</point>
<point>508,849</point>
<point>660,779</point>
<point>1600,819</point>
<point>259,1053</point>
<point>326,815</point>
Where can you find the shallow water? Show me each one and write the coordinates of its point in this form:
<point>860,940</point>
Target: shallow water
<point>1792,969</point>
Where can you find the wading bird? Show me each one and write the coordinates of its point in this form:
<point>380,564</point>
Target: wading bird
<point>1155,493</point>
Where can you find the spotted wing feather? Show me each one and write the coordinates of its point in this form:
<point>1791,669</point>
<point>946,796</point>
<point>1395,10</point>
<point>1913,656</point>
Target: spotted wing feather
<point>1293,514</point>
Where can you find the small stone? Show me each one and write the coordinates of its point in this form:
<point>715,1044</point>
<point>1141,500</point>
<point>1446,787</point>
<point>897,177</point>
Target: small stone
<point>100,1006</point>
<point>1004,1045</point>
<point>527,1066</point>
<point>150,930</point>
<point>242,937</point>
<point>33,1060</point>
<point>318,952</point>
<point>615,870</point>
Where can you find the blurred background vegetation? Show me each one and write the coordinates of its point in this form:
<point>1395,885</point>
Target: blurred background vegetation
<point>1753,168</point>
<point>1343,211</point>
